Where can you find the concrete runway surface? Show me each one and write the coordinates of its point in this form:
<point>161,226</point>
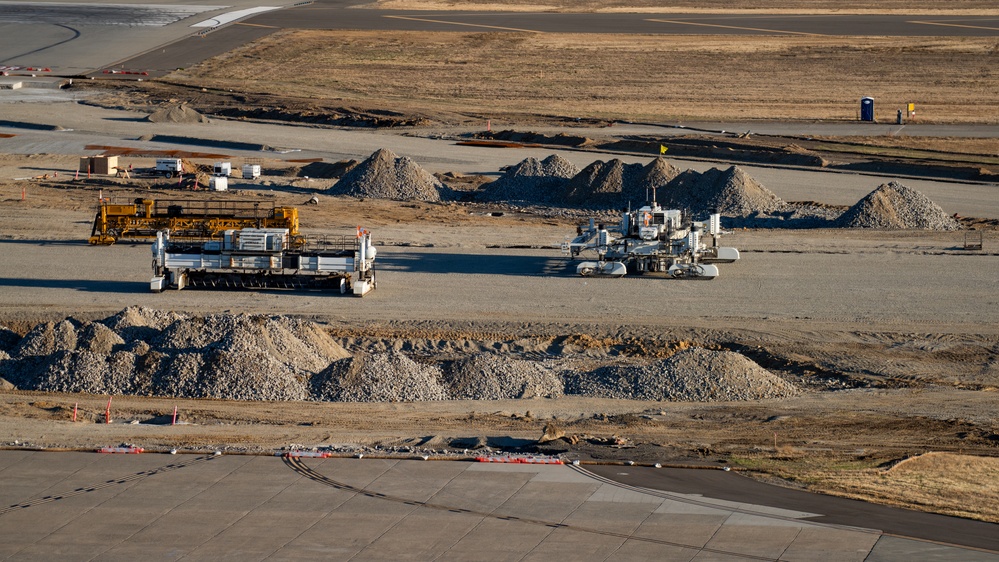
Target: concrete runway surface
<point>87,506</point>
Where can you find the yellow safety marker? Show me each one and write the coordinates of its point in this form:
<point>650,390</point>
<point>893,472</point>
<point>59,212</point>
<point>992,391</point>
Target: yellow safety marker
<point>781,31</point>
<point>954,25</point>
<point>465,24</point>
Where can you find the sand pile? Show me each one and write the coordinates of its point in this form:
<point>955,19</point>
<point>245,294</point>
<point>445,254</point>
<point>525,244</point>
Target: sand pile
<point>380,377</point>
<point>532,181</point>
<point>895,206</point>
<point>490,377</point>
<point>731,192</point>
<point>386,176</point>
<point>176,114</point>
<point>691,375</point>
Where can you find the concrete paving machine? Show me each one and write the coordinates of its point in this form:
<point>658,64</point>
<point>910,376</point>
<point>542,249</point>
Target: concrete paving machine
<point>143,218</point>
<point>257,258</point>
<point>651,239</point>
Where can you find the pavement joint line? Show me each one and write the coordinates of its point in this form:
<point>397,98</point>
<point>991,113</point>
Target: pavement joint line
<point>458,23</point>
<point>108,484</point>
<point>954,25</point>
<point>779,31</point>
<point>300,467</point>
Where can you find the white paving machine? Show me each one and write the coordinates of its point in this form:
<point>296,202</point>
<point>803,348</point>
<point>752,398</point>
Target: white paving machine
<point>259,258</point>
<point>649,240</point>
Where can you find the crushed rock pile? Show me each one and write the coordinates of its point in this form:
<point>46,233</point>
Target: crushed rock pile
<point>139,351</point>
<point>489,377</point>
<point>614,184</point>
<point>895,206</point>
<point>241,357</point>
<point>386,176</point>
<point>532,181</point>
<point>691,375</point>
<point>731,192</point>
<point>176,114</point>
<point>379,377</point>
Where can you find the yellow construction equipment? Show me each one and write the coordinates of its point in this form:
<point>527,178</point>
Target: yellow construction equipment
<point>194,220</point>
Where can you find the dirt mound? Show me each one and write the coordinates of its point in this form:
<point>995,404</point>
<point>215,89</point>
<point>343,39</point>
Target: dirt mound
<point>386,176</point>
<point>490,377</point>
<point>731,192</point>
<point>380,377</point>
<point>176,114</point>
<point>532,181</point>
<point>326,170</point>
<point>692,375</point>
<point>895,206</point>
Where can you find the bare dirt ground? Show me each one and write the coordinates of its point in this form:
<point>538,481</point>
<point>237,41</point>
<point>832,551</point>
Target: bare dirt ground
<point>507,76</point>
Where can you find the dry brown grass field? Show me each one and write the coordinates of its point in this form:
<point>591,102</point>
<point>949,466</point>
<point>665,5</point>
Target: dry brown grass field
<point>497,75</point>
<point>698,6</point>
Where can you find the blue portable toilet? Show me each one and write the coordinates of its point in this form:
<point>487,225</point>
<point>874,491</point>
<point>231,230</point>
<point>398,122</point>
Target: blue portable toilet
<point>866,109</point>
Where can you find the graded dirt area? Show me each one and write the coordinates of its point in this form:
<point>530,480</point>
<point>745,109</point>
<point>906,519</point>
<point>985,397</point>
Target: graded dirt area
<point>890,335</point>
<point>458,76</point>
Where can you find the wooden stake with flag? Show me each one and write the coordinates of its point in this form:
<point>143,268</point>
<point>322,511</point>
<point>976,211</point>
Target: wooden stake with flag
<point>662,149</point>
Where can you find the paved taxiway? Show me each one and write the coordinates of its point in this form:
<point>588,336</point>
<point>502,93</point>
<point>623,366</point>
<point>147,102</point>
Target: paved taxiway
<point>86,506</point>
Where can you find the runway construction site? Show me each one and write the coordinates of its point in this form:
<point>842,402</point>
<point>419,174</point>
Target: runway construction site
<point>779,306</point>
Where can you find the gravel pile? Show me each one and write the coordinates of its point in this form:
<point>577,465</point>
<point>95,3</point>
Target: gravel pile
<point>731,192</point>
<point>386,176</point>
<point>136,352</point>
<point>654,177</point>
<point>241,357</point>
<point>601,184</point>
<point>176,114</point>
<point>379,377</point>
<point>491,377</point>
<point>895,206</point>
<point>532,181</point>
<point>691,375</point>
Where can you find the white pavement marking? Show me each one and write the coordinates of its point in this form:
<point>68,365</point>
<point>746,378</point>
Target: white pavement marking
<point>233,16</point>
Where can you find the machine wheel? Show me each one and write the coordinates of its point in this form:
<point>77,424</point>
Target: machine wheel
<point>168,174</point>
<point>586,271</point>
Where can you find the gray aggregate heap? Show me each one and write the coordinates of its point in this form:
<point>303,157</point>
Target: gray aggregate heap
<point>691,375</point>
<point>379,377</point>
<point>532,181</point>
<point>241,357</point>
<point>225,356</point>
<point>386,176</point>
<point>490,377</point>
<point>731,192</point>
<point>895,206</point>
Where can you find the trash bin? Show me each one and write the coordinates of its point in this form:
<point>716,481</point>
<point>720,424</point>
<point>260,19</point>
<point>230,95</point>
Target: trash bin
<point>867,109</point>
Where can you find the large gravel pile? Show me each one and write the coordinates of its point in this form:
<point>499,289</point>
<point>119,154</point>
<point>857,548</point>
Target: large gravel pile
<point>532,181</point>
<point>731,192</point>
<point>691,375</point>
<point>895,206</point>
<point>386,176</point>
<point>490,377</point>
<point>220,356</point>
<point>240,357</point>
<point>380,377</point>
